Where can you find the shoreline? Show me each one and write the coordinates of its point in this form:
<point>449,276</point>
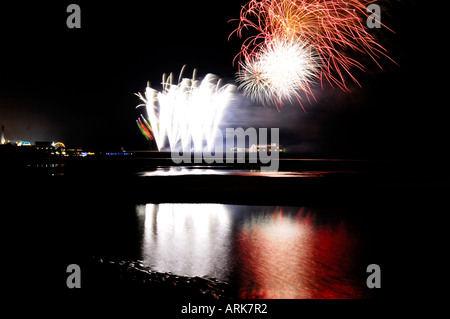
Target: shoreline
<point>133,275</point>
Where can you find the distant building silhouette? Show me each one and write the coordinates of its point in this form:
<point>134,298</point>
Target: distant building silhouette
<point>258,148</point>
<point>51,148</point>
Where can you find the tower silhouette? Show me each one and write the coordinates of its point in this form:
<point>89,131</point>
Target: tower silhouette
<point>2,141</point>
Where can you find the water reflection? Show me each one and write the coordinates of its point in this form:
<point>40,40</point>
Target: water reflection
<point>286,256</point>
<point>267,252</point>
<point>217,170</point>
<point>187,239</point>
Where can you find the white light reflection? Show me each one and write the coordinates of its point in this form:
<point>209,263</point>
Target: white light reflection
<point>184,170</point>
<point>187,239</point>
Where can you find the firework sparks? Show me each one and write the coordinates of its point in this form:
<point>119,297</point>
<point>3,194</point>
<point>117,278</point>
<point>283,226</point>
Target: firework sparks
<point>145,127</point>
<point>282,69</point>
<point>187,113</point>
<point>332,29</point>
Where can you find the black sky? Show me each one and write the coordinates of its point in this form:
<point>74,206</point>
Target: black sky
<point>78,85</point>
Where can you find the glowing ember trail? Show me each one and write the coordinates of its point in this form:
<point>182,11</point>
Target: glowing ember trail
<point>187,114</point>
<point>330,29</point>
<point>145,128</point>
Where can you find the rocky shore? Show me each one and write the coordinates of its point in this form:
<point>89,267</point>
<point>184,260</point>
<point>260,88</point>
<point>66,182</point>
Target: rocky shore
<point>133,275</point>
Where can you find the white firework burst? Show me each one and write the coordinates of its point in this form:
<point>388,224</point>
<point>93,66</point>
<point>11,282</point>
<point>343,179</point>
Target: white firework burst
<point>187,114</point>
<point>281,70</point>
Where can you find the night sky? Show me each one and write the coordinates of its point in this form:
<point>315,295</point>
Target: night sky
<point>77,85</point>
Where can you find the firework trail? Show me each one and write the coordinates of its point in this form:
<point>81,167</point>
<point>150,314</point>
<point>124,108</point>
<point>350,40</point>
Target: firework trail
<point>145,128</point>
<point>331,29</point>
<point>187,113</point>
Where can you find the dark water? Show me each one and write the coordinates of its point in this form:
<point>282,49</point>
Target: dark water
<point>177,222</point>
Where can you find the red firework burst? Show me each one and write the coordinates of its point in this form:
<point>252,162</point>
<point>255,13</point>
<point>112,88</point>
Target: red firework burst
<point>333,29</point>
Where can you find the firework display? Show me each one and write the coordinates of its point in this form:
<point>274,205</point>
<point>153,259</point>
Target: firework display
<point>297,44</point>
<point>185,115</point>
<point>329,31</point>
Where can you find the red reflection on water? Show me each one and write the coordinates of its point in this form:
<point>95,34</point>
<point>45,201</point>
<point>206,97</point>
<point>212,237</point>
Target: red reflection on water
<point>294,258</point>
